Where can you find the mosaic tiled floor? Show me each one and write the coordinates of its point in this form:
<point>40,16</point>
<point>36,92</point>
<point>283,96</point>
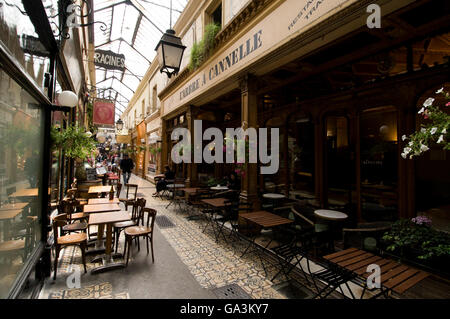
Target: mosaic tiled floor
<point>100,291</point>
<point>213,264</point>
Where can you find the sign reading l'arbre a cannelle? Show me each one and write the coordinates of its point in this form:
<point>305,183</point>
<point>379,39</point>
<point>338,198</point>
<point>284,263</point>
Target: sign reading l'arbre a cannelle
<point>109,60</point>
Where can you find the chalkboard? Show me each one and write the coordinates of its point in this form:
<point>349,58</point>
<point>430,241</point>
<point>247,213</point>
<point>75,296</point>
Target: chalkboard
<point>91,174</point>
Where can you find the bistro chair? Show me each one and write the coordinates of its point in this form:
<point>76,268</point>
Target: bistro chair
<point>146,230</point>
<point>63,241</point>
<point>21,244</point>
<point>70,227</point>
<point>69,207</point>
<point>136,213</point>
<point>131,193</point>
<point>365,236</point>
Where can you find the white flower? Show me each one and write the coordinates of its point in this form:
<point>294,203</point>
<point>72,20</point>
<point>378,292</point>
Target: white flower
<point>440,91</point>
<point>404,155</point>
<point>424,148</point>
<point>403,137</point>
<point>441,139</point>
<point>433,130</point>
<point>421,110</point>
<point>407,150</point>
<point>423,130</point>
<point>428,102</point>
<point>411,143</point>
<point>444,131</point>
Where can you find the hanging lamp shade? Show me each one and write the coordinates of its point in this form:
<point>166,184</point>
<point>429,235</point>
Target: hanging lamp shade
<point>68,98</point>
<point>170,52</point>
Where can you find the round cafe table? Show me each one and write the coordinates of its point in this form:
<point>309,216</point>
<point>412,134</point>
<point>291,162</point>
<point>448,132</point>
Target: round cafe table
<point>274,198</point>
<point>332,217</point>
<point>219,188</point>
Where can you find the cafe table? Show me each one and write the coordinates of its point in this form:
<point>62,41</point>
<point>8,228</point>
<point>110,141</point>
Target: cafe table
<point>173,188</point>
<point>263,220</point>
<point>13,206</point>
<point>99,189</point>
<point>6,216</point>
<point>333,217</point>
<point>97,201</point>
<point>219,188</point>
<point>107,258</point>
<point>274,197</point>
<point>101,208</point>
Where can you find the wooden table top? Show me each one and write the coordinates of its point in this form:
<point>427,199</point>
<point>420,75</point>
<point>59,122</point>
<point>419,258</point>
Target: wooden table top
<point>14,206</point>
<point>99,189</point>
<point>101,208</point>
<point>96,201</point>
<point>26,192</point>
<point>394,275</point>
<point>9,214</point>
<point>266,219</point>
<point>108,218</point>
<point>215,202</point>
<point>330,214</point>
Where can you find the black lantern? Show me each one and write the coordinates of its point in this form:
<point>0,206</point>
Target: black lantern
<point>170,52</point>
<point>119,124</point>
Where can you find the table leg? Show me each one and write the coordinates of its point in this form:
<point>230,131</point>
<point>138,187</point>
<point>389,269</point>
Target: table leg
<point>107,258</point>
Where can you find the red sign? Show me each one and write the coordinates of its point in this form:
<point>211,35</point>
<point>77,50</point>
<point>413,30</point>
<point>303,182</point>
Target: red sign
<point>104,112</point>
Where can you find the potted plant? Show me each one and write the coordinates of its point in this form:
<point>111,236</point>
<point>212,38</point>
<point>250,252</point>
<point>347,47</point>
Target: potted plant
<point>415,241</point>
<point>75,144</point>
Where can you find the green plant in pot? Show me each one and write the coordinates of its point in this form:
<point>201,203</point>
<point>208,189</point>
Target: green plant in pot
<point>75,144</point>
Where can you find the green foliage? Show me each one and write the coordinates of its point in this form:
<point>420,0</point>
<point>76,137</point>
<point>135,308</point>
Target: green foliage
<point>155,150</point>
<point>202,50</point>
<point>215,181</point>
<point>407,234</point>
<point>73,141</point>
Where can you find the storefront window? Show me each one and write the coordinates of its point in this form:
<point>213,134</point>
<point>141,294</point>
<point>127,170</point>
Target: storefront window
<point>340,165</point>
<point>19,36</point>
<point>21,144</point>
<point>301,157</point>
<point>379,158</point>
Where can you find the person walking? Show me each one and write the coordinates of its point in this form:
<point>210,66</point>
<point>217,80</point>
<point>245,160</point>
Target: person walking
<point>126,165</point>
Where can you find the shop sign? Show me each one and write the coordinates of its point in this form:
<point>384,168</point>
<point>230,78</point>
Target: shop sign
<point>109,60</point>
<point>104,112</point>
<point>290,18</point>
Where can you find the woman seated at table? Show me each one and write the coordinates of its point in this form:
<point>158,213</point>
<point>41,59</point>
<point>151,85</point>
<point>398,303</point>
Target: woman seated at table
<point>233,182</point>
<point>162,184</point>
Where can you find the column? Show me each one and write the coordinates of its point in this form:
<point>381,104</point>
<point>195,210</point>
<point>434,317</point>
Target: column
<point>192,177</point>
<point>249,118</point>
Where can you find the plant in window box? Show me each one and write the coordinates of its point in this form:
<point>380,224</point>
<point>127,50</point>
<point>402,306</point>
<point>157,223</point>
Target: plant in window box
<point>76,144</point>
<point>203,49</point>
<point>435,131</point>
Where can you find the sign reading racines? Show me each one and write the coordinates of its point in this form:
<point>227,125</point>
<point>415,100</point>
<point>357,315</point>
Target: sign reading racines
<point>109,60</point>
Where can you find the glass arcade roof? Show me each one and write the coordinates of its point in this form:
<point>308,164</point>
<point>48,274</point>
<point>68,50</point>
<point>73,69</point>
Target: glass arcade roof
<point>134,28</point>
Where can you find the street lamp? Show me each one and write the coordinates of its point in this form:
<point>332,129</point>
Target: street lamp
<point>119,124</point>
<point>170,51</point>
<point>68,98</point>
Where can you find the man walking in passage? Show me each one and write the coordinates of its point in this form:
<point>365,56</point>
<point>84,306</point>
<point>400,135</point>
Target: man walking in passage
<point>126,165</point>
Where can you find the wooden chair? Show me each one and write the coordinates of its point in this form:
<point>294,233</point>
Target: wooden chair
<point>365,236</point>
<point>136,214</point>
<point>62,241</point>
<point>21,244</point>
<point>131,193</point>
<point>71,227</point>
<point>69,207</point>
<point>146,230</point>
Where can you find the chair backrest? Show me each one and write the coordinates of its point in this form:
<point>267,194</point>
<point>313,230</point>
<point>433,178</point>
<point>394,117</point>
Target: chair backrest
<point>71,193</point>
<point>68,207</point>
<point>138,207</point>
<point>151,215</point>
<point>118,188</point>
<point>59,221</point>
<point>132,188</point>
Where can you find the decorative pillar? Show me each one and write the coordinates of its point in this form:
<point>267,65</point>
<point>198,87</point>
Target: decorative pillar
<point>192,176</point>
<point>249,118</point>
<point>164,144</point>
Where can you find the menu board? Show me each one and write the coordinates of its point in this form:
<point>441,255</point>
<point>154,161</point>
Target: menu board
<point>91,174</point>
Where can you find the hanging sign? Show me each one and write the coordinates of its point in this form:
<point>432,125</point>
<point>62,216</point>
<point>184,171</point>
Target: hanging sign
<point>109,60</point>
<point>104,112</point>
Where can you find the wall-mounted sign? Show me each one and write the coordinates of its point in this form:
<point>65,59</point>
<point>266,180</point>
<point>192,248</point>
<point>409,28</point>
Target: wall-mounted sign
<point>109,60</point>
<point>104,112</point>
